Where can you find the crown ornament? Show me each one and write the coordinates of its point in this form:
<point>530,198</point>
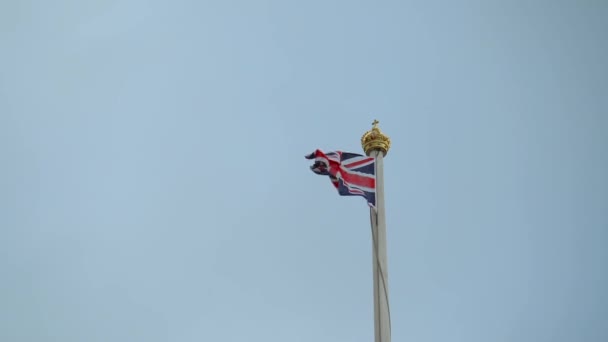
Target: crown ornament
<point>375,140</point>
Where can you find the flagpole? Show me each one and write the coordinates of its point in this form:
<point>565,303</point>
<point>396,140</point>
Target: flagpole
<point>376,144</point>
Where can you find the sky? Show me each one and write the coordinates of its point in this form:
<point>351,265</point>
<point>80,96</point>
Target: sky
<point>153,185</point>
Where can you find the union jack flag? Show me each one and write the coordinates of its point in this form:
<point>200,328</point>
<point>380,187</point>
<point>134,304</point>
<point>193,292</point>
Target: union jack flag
<point>352,174</point>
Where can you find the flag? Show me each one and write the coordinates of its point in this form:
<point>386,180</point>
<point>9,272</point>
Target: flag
<point>352,174</point>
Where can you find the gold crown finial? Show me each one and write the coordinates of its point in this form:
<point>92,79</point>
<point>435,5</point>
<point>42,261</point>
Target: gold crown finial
<point>375,140</point>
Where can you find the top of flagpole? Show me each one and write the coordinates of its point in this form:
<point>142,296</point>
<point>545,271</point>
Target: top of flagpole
<point>375,140</point>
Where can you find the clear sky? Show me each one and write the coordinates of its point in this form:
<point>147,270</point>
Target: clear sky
<point>153,185</point>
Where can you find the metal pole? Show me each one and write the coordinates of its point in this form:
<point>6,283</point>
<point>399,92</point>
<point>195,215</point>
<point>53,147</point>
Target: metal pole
<point>376,144</point>
<point>380,269</point>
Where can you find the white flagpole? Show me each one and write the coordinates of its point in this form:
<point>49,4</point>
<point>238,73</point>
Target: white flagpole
<point>377,145</point>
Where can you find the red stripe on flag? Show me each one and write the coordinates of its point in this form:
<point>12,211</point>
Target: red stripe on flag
<point>357,163</point>
<point>359,180</point>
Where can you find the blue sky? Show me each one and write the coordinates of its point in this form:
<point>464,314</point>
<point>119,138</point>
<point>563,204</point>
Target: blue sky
<point>153,185</point>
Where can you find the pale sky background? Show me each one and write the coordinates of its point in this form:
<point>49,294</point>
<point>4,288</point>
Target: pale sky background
<point>153,185</point>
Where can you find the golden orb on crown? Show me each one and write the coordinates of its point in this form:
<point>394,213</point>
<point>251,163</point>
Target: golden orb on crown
<point>374,139</point>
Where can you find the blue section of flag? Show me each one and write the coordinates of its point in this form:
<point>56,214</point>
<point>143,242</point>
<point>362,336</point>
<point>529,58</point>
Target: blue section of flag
<point>352,174</point>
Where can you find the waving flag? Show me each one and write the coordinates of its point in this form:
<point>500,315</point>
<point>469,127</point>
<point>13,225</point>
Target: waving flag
<point>352,174</point>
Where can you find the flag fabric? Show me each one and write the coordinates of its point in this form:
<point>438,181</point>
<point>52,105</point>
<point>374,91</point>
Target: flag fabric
<point>352,174</point>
